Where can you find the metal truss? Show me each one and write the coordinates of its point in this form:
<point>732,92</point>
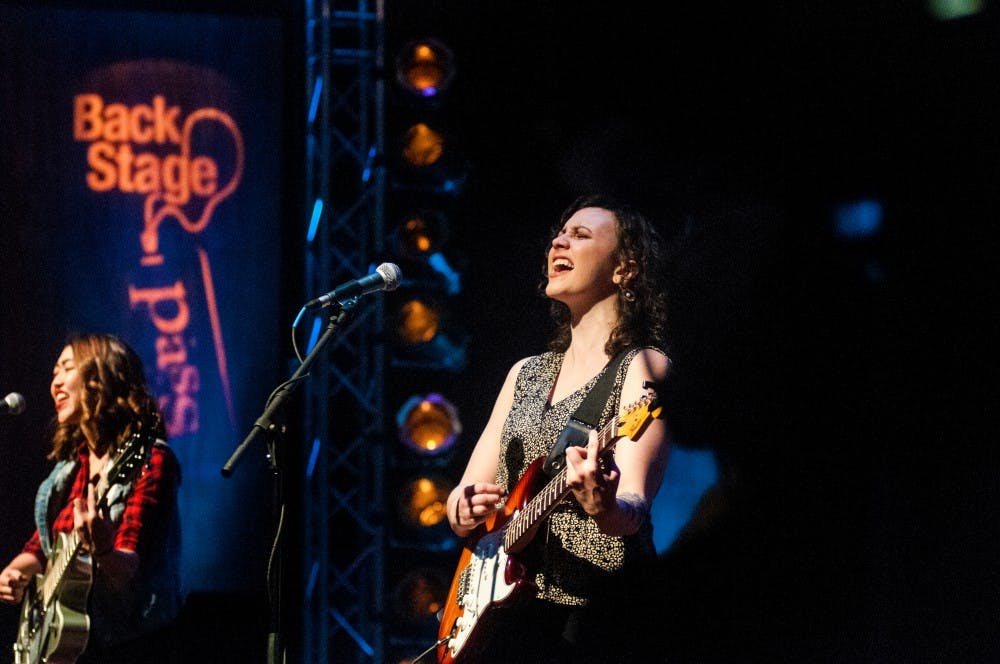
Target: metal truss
<point>342,610</point>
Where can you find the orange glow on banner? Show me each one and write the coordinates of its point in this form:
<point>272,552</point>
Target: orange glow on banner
<point>181,186</point>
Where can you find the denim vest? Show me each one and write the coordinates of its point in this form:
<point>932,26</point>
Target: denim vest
<point>154,596</point>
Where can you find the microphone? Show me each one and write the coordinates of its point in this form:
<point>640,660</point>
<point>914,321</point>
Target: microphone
<point>13,404</point>
<point>385,277</point>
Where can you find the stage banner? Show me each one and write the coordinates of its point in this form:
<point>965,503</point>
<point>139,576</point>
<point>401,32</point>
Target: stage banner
<point>141,156</point>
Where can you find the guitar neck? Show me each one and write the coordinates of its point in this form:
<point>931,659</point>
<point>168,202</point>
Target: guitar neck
<point>539,507</point>
<point>58,566</point>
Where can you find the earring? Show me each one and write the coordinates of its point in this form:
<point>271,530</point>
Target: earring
<point>628,295</point>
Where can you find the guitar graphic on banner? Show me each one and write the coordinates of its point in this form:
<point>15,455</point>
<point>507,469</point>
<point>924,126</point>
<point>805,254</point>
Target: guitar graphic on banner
<point>489,573</point>
<point>54,625</point>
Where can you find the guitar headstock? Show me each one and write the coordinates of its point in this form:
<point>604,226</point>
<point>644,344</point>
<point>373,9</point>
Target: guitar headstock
<point>130,457</point>
<point>637,415</point>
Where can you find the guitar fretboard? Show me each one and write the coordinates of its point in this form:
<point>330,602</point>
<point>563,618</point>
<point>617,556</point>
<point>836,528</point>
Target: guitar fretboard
<point>57,567</point>
<point>545,501</point>
<point>523,523</point>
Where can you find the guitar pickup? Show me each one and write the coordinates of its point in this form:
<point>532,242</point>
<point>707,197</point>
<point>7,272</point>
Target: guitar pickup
<point>463,585</point>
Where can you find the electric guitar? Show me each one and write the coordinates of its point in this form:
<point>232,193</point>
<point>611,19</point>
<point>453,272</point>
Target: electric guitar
<point>54,625</point>
<point>489,573</point>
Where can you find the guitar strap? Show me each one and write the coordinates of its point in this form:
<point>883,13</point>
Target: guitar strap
<point>584,418</point>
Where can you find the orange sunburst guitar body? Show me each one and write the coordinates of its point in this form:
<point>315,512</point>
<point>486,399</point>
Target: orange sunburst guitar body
<point>490,574</point>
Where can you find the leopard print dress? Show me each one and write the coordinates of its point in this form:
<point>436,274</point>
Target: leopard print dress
<point>573,556</point>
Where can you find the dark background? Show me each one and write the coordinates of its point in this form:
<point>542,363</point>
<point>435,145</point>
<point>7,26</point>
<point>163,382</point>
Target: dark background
<point>845,385</point>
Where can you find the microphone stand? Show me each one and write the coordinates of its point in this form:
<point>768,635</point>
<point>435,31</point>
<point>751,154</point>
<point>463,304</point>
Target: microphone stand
<point>266,426</point>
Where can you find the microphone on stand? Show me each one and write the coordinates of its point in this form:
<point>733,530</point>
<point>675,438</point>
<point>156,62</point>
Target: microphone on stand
<point>385,277</point>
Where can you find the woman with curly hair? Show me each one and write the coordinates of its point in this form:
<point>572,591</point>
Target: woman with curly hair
<point>600,275</point>
<point>111,498</point>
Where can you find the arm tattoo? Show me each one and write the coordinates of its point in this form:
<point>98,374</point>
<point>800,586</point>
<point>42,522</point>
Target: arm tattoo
<point>633,509</point>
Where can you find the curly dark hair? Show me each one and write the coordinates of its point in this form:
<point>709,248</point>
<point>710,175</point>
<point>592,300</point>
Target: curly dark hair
<point>642,320</point>
<point>116,401</point>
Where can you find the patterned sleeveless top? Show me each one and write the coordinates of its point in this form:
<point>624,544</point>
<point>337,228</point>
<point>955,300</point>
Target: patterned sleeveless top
<point>576,557</point>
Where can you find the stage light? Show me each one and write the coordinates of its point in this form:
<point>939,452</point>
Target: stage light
<point>422,145</point>
<point>428,425</point>
<point>420,594</point>
<point>421,518</point>
<point>426,158</point>
<point>420,233</point>
<point>417,321</point>
<point>424,334</point>
<point>425,67</point>
<point>423,502</point>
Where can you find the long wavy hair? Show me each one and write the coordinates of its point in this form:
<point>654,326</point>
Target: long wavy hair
<point>115,400</point>
<point>642,320</point>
